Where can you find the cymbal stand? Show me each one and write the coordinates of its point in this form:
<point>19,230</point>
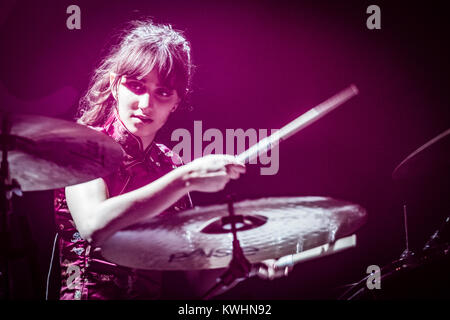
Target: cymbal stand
<point>407,253</point>
<point>6,190</point>
<point>239,268</point>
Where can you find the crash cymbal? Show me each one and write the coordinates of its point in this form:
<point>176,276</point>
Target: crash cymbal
<point>46,153</point>
<point>196,239</point>
<point>433,158</point>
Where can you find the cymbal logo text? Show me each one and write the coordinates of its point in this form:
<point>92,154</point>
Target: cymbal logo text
<point>216,253</point>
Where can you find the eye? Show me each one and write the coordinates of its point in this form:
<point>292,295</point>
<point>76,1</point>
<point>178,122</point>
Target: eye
<point>136,87</point>
<point>164,92</point>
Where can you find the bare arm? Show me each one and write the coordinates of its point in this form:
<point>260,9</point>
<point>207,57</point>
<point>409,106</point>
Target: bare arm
<point>97,217</point>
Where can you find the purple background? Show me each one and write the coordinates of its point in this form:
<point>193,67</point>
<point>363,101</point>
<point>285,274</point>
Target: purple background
<point>260,64</point>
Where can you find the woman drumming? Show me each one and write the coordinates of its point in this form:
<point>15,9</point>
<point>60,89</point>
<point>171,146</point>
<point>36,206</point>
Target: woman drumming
<point>136,87</point>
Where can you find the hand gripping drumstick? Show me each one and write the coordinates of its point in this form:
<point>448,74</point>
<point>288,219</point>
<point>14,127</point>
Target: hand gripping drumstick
<point>298,124</point>
<point>314,253</point>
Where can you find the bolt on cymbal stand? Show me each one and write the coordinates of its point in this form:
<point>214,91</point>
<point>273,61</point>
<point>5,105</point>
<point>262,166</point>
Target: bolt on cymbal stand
<point>7,188</point>
<point>239,268</point>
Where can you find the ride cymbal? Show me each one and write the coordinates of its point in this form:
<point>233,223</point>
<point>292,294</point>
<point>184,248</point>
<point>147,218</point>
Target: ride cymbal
<point>200,238</point>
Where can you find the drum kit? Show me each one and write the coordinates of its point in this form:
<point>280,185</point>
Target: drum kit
<point>422,274</point>
<point>41,153</point>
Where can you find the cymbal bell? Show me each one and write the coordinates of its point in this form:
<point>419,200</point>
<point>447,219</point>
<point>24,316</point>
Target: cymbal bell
<point>45,153</point>
<point>269,228</point>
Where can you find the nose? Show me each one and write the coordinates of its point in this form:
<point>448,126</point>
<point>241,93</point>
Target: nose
<point>145,101</point>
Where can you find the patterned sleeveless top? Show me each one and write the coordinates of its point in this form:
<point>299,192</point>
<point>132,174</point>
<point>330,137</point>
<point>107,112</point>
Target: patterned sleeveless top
<point>84,272</point>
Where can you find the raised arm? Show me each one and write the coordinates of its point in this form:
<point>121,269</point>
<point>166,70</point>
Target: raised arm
<point>97,216</point>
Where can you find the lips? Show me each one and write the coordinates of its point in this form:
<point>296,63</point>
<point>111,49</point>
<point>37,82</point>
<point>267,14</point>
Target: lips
<point>144,119</point>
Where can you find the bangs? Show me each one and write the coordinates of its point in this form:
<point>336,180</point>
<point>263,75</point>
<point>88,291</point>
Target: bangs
<point>141,61</point>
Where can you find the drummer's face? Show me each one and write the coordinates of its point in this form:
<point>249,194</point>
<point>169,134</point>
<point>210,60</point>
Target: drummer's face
<point>144,105</point>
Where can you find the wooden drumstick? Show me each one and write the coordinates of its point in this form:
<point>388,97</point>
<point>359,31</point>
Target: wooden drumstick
<point>298,124</point>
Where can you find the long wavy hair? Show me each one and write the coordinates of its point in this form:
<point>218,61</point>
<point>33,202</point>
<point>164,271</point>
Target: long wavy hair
<point>141,47</point>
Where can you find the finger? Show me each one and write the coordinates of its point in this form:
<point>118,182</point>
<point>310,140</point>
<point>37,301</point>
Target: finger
<point>216,174</point>
<point>233,173</point>
<point>218,180</point>
<point>229,159</point>
<point>262,273</point>
<point>238,168</point>
<point>283,272</point>
<point>286,271</point>
<point>280,272</point>
<point>271,273</point>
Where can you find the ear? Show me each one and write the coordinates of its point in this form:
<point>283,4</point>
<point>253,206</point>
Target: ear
<point>112,78</point>
<point>175,107</point>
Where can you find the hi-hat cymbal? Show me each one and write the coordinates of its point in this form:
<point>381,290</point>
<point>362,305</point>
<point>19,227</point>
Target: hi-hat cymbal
<point>433,158</point>
<point>270,228</point>
<point>46,153</point>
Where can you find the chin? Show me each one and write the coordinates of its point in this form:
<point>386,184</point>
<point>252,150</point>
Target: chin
<point>132,128</point>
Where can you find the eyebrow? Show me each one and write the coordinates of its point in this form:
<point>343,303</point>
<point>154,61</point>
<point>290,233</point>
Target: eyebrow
<point>135,79</point>
<point>160,84</point>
